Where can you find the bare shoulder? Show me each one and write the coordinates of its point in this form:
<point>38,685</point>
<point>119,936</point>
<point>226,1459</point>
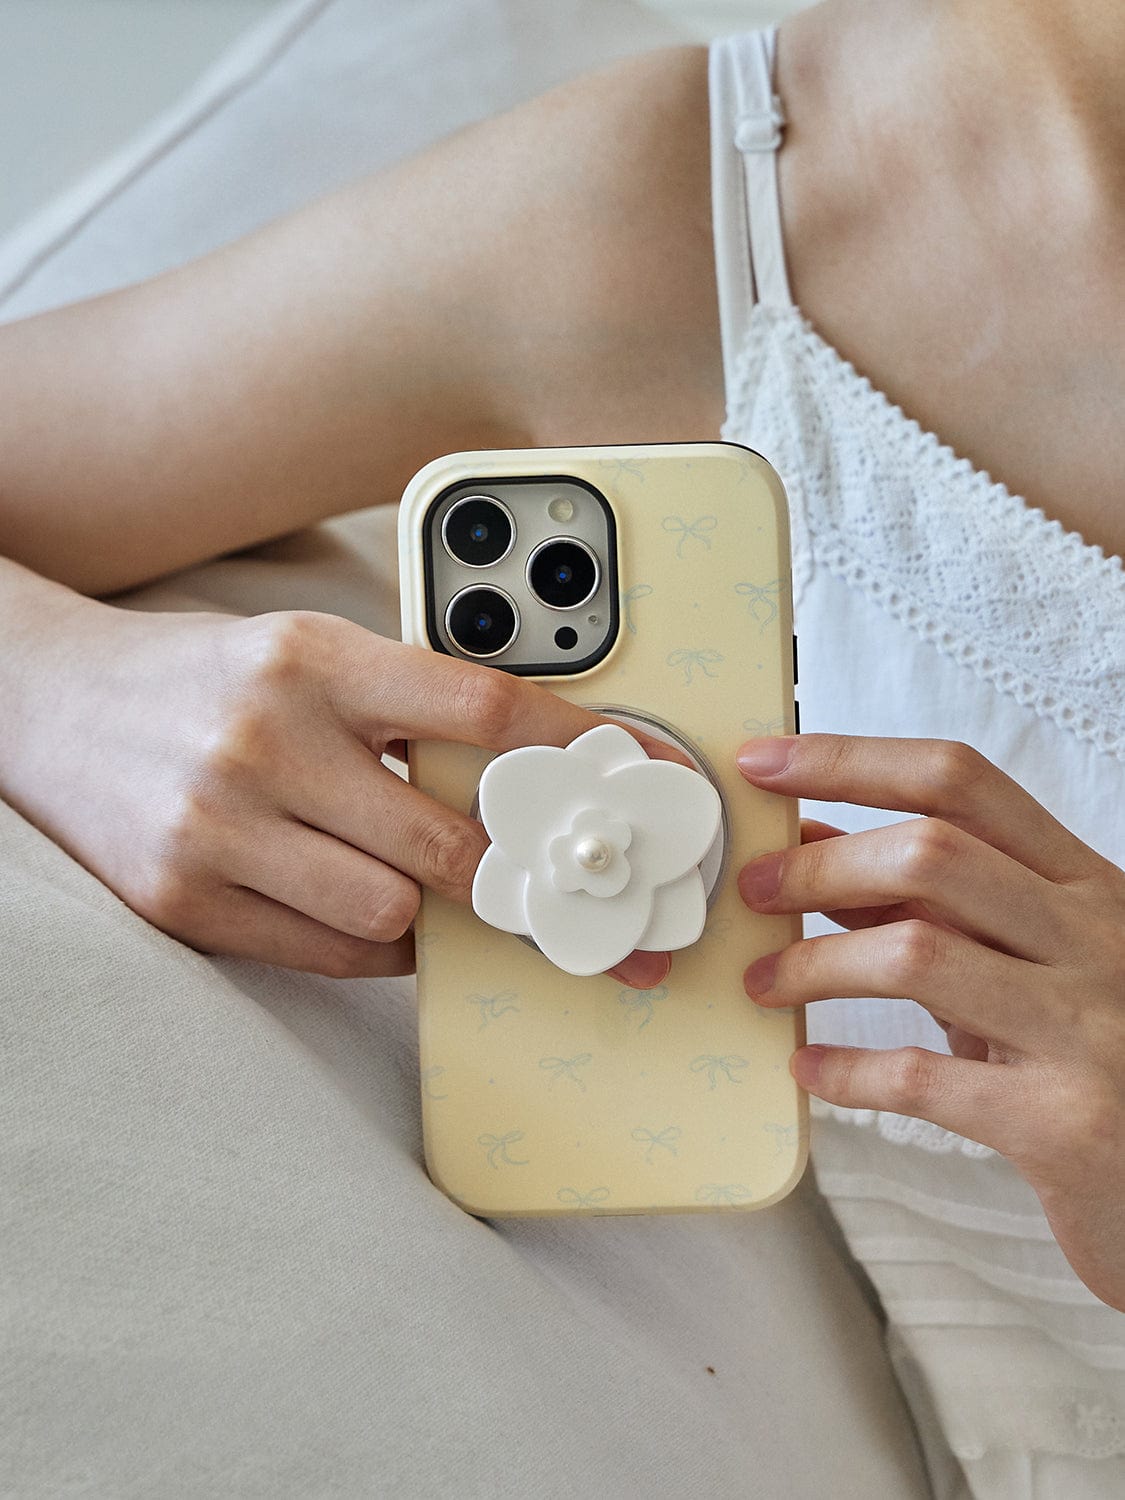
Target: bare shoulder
<point>605,253</point>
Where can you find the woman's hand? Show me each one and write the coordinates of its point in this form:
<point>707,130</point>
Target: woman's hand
<point>1004,925</point>
<point>224,776</point>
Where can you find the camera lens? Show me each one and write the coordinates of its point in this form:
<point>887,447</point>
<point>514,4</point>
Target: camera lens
<point>563,573</point>
<point>482,622</point>
<point>478,531</point>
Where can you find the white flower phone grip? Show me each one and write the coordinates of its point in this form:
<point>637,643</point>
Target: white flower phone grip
<point>595,849</point>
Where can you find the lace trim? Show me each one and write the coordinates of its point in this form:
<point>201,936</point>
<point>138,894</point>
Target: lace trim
<point>903,1130</point>
<point>987,578</point>
<point>1071,1421</point>
<point>1071,1424</point>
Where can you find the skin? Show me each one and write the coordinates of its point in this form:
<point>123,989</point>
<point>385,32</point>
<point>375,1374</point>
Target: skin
<point>965,260</point>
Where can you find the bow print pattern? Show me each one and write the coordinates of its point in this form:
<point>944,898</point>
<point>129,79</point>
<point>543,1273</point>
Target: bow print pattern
<point>722,1192</point>
<point>665,1138</point>
<point>783,1135</point>
<point>690,660</point>
<point>428,1077</point>
<point>619,468</point>
<point>563,1067</point>
<point>642,1001</point>
<point>583,1200</point>
<point>695,531</point>
<point>492,1007</point>
<point>497,1146</point>
<point>717,1065</point>
<point>763,600</point>
<point>629,598</point>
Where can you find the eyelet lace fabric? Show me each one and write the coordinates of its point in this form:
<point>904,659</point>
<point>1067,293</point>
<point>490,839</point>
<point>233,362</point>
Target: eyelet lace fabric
<point>890,509</point>
<point>1008,1361</point>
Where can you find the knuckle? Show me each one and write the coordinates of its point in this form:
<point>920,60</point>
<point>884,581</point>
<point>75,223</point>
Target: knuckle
<point>911,954</point>
<point>392,918</point>
<point>909,1079</point>
<point>285,644</point>
<point>450,853</point>
<point>927,848</point>
<point>1088,1116</point>
<point>490,701</point>
<point>955,768</point>
<point>167,899</point>
<point>798,964</point>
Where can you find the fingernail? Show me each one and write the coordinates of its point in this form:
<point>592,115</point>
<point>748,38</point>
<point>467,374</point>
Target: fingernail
<point>806,1063</point>
<point>760,882</point>
<point>643,971</point>
<point>766,757</point>
<point>759,976</point>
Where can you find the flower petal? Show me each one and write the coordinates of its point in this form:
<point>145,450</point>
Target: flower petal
<point>499,892</point>
<point>585,934</point>
<point>608,882</point>
<point>528,795</point>
<point>608,747</point>
<point>679,912</point>
<point>674,813</point>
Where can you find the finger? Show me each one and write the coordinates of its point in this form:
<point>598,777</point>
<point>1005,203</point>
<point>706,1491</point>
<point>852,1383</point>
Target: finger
<point>367,805</point>
<point>966,883</point>
<point>372,810</point>
<point>812,832</point>
<point>986,1102</point>
<point>410,693</point>
<point>245,924</point>
<point>329,881</point>
<point>970,986</point>
<point>643,969</point>
<point>943,778</point>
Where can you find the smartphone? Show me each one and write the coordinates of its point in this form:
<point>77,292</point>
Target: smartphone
<point>650,583</point>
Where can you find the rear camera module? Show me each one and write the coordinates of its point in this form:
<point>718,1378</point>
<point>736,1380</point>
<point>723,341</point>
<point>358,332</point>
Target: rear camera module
<point>562,573</point>
<point>481,622</point>
<point>478,531</point>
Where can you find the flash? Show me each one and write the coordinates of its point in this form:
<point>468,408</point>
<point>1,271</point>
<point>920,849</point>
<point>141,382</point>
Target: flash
<point>561,509</point>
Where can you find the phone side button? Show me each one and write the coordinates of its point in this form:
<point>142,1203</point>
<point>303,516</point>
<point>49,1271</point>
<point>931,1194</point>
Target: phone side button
<point>796,717</point>
<point>794,659</point>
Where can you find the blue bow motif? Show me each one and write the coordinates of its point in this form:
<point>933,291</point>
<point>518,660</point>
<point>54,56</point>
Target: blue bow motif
<point>763,726</point>
<point>763,600</point>
<point>428,1077</point>
<point>629,598</point>
<point>716,1065</point>
<point>665,1138</point>
<point>583,1200</point>
<point>620,467</point>
<point>563,1067</point>
<point>642,1000</point>
<point>695,531</point>
<point>783,1135</point>
<point>691,660</point>
<point>492,1007</point>
<point>497,1146</point>
<point>722,1192</point>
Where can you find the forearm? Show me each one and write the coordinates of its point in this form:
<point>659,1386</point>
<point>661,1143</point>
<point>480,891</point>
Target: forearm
<point>541,277</point>
<point>285,378</point>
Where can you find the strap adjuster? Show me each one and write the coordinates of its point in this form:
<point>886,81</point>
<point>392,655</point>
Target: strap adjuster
<point>760,130</point>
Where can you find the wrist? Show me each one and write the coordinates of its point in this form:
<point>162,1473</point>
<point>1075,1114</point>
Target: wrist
<point>46,635</point>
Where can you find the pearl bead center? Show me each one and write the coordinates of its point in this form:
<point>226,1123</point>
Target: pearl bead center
<point>593,854</point>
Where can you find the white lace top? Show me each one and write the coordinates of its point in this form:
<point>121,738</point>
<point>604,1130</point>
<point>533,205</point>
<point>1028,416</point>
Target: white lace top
<point>930,601</point>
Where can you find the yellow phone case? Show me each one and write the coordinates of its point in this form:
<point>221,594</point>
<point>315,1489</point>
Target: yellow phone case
<point>545,1094</point>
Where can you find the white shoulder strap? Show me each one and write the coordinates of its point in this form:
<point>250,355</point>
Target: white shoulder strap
<point>746,127</point>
